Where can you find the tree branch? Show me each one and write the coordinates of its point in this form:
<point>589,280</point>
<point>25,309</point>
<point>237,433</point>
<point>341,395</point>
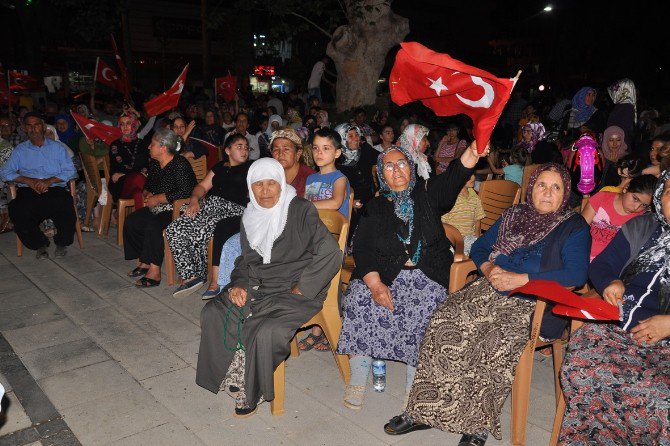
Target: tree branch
<point>330,36</point>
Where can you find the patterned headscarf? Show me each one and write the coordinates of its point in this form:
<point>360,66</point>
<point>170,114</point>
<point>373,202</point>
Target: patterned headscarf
<point>522,225</point>
<point>134,126</point>
<point>537,132</point>
<point>410,140</point>
<point>656,257</point>
<point>582,111</point>
<point>403,205</point>
<point>288,133</point>
<point>623,149</point>
<point>349,157</point>
<point>293,116</point>
<point>623,92</point>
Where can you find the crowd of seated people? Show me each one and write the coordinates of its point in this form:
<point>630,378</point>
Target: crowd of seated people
<point>278,162</point>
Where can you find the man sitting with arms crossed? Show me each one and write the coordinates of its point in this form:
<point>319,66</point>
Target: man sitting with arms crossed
<point>41,168</point>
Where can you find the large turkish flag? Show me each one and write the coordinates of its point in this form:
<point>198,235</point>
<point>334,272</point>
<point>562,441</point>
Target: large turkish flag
<point>169,98</point>
<point>94,129</point>
<point>225,87</point>
<point>449,87</point>
<point>106,76</point>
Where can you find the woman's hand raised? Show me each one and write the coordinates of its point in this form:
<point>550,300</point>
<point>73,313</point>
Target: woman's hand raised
<point>471,155</point>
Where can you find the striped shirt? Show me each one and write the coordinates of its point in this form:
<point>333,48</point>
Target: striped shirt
<point>466,213</point>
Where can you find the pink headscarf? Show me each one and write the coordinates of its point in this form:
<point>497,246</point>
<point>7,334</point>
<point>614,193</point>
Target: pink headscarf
<point>623,149</point>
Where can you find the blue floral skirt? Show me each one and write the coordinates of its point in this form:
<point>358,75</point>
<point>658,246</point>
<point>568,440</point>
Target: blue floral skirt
<point>369,329</point>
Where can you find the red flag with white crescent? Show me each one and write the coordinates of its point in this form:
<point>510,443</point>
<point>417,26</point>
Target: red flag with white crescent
<point>225,87</point>
<point>125,81</point>
<point>212,151</point>
<point>105,75</point>
<point>20,81</point>
<point>449,87</point>
<point>169,98</point>
<point>94,129</point>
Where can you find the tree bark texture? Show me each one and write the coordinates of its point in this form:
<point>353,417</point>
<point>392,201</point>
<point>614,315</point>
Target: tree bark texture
<point>359,50</point>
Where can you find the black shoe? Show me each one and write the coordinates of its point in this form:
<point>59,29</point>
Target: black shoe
<point>61,251</point>
<point>472,440</point>
<point>403,424</point>
<point>42,253</point>
<point>245,412</point>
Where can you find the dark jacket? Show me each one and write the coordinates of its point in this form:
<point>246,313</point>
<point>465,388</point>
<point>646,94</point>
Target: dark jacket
<point>360,174</point>
<point>376,244</point>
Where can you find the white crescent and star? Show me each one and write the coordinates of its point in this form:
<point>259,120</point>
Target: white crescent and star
<point>181,87</point>
<point>484,102</point>
<point>104,74</point>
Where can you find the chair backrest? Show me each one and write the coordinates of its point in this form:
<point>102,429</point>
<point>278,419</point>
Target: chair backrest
<point>456,239</point>
<point>496,196</point>
<point>91,165</point>
<point>527,172</point>
<point>199,167</point>
<point>460,274</point>
<point>339,227</point>
<point>351,202</point>
<point>375,178</point>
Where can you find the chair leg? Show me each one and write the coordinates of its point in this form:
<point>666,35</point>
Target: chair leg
<point>521,395</point>
<point>210,254</point>
<point>77,227</point>
<point>295,351</point>
<point>90,200</point>
<point>105,218</point>
<point>332,326</point>
<point>557,353</point>
<point>277,404</point>
<point>119,225</point>
<point>558,420</point>
<point>19,247</point>
<point>169,262</point>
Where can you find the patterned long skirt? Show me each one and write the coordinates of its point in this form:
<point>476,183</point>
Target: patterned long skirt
<point>467,360</point>
<point>617,391</point>
<point>188,237</point>
<point>369,329</point>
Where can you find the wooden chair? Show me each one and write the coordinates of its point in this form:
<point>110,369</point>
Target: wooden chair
<point>199,167</point>
<point>124,207</point>
<point>328,318</point>
<point>527,172</point>
<point>91,166</point>
<point>496,196</point>
<point>73,192</point>
<point>461,274</point>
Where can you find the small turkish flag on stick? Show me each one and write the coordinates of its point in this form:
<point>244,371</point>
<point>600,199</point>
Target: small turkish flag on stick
<point>94,129</point>
<point>449,87</point>
<point>169,98</point>
<point>106,76</point>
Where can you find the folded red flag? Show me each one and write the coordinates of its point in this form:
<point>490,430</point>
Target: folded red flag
<point>125,81</point>
<point>94,129</point>
<point>449,87</point>
<point>20,81</point>
<point>169,98</point>
<point>569,303</point>
<point>225,87</point>
<point>106,76</point>
<point>213,152</point>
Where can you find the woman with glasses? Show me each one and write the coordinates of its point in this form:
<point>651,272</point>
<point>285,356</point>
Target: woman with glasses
<point>402,265</point>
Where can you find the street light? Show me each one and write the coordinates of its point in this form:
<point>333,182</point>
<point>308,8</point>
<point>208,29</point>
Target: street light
<point>548,8</point>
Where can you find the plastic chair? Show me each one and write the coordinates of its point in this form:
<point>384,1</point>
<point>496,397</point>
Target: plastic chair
<point>496,196</point>
<point>464,272</point>
<point>73,192</point>
<point>527,172</point>
<point>328,318</point>
<point>124,207</point>
<point>91,166</point>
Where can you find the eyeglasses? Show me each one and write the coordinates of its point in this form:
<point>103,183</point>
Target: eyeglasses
<point>400,164</point>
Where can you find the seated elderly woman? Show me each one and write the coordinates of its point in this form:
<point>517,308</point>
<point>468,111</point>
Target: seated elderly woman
<point>218,215</point>
<point>615,377</point>
<point>279,282</point>
<point>401,253</point>
<point>170,178</point>
<point>475,338</point>
<point>286,147</point>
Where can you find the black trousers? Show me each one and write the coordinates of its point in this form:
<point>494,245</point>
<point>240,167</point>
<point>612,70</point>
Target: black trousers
<point>225,228</point>
<point>29,209</point>
<point>143,235</point>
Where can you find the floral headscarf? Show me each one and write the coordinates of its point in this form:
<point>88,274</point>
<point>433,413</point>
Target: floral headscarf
<point>410,140</point>
<point>623,149</point>
<point>657,257</point>
<point>134,126</point>
<point>522,225</point>
<point>293,116</point>
<point>582,111</point>
<point>349,157</point>
<point>403,205</point>
<point>623,92</point>
<point>537,132</point>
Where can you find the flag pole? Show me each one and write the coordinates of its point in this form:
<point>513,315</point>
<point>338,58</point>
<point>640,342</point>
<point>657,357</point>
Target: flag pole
<point>95,73</point>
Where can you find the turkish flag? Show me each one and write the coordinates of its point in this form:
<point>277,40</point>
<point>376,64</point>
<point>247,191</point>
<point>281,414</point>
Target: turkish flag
<point>449,87</point>
<point>125,81</point>
<point>20,81</point>
<point>94,129</point>
<point>212,151</point>
<point>169,98</point>
<point>225,87</point>
<point>106,76</point>
<point>569,303</point>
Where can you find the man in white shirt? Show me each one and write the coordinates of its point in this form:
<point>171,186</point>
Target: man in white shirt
<point>241,126</point>
<point>314,83</point>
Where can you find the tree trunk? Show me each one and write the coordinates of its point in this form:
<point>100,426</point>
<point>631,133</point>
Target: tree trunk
<point>359,50</point>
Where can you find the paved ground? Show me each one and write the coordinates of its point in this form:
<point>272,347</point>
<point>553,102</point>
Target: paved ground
<point>89,359</point>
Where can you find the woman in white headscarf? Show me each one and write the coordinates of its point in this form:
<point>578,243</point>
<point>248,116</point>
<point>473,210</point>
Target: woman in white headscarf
<point>415,140</point>
<point>279,282</point>
<point>264,137</point>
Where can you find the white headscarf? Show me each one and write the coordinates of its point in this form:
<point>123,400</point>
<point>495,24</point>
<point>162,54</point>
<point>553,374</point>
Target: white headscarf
<point>410,140</point>
<point>264,225</point>
<point>271,119</point>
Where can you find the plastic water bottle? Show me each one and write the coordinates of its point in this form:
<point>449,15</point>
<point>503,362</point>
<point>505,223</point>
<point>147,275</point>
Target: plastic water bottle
<point>379,375</point>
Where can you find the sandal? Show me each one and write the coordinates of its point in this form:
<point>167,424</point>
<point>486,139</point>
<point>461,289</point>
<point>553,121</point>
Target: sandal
<point>323,346</point>
<point>304,345</point>
<point>146,282</point>
<point>138,272</point>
